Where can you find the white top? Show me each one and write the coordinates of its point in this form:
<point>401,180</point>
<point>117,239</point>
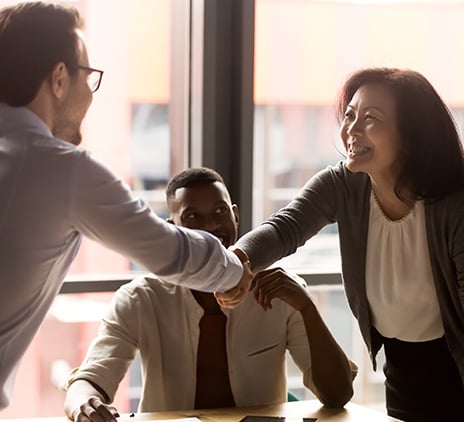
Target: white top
<point>399,280</point>
<point>52,193</point>
<point>162,322</point>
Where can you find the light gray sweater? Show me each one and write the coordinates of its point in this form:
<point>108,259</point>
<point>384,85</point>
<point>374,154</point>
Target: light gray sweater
<point>338,195</point>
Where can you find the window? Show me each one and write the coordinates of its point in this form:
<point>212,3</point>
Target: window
<point>304,50</point>
<point>129,123</point>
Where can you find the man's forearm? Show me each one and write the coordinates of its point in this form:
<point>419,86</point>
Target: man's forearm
<point>332,374</point>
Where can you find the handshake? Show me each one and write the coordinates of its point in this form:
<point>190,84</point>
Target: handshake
<point>233,297</point>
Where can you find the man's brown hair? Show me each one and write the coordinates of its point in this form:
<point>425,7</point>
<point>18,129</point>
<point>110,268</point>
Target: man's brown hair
<point>34,37</point>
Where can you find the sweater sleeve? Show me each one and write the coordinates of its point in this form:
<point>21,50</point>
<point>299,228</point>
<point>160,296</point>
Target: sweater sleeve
<point>458,250</point>
<point>290,227</point>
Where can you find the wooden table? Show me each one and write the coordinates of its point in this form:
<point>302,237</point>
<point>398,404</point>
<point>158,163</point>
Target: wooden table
<point>298,409</point>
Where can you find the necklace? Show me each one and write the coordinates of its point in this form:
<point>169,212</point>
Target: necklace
<point>408,213</point>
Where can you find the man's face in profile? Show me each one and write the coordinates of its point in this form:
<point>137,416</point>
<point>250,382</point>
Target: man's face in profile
<point>73,107</point>
<point>206,206</point>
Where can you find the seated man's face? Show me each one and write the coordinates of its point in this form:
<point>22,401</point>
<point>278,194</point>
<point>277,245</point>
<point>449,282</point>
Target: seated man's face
<point>206,206</point>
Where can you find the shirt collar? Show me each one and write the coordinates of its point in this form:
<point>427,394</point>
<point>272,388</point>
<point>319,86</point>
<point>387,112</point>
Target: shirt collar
<point>21,118</point>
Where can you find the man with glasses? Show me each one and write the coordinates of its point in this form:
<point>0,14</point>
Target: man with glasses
<point>52,193</point>
<point>94,77</point>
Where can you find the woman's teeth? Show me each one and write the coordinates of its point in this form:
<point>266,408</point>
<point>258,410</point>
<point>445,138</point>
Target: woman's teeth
<point>358,150</point>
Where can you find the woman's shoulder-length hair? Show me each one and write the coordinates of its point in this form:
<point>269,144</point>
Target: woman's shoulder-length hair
<point>433,152</point>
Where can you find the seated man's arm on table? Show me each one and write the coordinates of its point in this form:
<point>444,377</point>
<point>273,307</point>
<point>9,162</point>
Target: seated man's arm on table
<point>331,373</point>
<point>91,388</point>
<point>86,401</point>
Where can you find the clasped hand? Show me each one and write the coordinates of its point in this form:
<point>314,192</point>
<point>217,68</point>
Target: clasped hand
<point>233,297</point>
<point>267,285</point>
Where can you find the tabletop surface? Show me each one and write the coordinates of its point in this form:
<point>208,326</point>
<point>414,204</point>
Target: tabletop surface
<point>293,411</point>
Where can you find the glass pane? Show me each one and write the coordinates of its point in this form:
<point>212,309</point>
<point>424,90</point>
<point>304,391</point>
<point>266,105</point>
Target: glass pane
<point>59,346</point>
<point>128,124</point>
<point>368,385</point>
<point>304,50</point>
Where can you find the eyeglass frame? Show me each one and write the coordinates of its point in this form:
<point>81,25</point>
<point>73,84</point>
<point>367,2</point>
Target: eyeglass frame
<point>91,69</point>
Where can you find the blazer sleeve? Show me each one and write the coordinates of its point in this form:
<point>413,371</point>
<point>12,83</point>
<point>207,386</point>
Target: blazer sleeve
<point>113,350</point>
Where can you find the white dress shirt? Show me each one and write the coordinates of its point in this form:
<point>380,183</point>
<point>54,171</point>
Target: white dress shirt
<point>51,194</point>
<point>162,322</point>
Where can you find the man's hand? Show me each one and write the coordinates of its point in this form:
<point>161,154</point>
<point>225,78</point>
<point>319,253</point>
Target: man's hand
<point>85,403</point>
<point>277,283</point>
<point>233,297</point>
<point>95,410</point>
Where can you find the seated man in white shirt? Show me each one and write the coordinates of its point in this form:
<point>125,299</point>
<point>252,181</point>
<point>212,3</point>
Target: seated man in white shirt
<point>196,355</point>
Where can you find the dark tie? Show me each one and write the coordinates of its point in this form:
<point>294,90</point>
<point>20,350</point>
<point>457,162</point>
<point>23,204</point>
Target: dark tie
<point>213,385</point>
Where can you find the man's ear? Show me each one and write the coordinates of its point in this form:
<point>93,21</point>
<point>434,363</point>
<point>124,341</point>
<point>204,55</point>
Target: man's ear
<point>236,213</point>
<point>59,80</point>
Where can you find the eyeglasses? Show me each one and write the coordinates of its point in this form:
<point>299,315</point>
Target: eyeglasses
<point>94,77</point>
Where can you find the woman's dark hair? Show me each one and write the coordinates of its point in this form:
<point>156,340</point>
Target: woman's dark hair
<point>433,152</point>
<point>34,37</point>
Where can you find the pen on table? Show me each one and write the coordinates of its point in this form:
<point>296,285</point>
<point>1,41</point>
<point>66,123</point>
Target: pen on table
<point>132,415</point>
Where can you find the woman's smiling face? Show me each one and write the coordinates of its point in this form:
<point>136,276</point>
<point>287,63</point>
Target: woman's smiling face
<point>369,132</point>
